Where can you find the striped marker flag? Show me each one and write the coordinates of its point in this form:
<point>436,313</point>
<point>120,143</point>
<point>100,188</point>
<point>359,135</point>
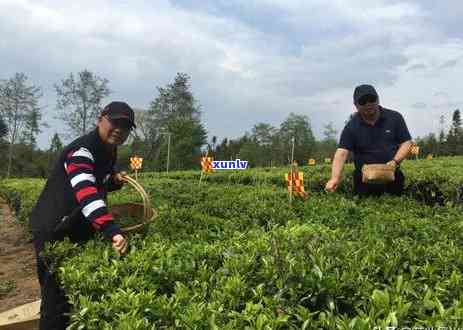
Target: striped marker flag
<point>136,163</point>
<point>206,164</point>
<point>295,182</point>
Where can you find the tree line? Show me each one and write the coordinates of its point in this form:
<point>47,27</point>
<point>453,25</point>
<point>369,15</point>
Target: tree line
<point>169,131</point>
<point>446,143</point>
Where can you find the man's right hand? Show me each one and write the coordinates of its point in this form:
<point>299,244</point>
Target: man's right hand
<point>332,185</point>
<point>117,177</point>
<point>120,244</point>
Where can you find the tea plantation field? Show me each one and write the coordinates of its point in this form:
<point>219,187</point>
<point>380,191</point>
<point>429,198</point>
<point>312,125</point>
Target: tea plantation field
<point>231,254</point>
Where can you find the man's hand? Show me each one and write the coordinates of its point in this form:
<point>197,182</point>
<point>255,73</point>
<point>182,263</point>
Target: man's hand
<point>392,163</point>
<point>117,178</point>
<point>340,158</point>
<point>120,244</point>
<point>332,185</point>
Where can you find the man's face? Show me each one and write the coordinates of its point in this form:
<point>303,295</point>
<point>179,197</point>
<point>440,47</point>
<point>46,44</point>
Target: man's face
<point>368,105</point>
<point>113,131</point>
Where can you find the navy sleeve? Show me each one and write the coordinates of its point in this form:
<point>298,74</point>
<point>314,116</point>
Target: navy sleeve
<point>347,139</point>
<point>402,133</point>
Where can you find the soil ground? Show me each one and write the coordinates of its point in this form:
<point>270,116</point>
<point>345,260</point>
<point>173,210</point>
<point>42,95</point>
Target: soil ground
<point>18,277</point>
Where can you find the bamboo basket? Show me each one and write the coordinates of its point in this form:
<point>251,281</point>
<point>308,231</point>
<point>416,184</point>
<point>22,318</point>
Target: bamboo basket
<point>143,211</point>
<point>378,173</point>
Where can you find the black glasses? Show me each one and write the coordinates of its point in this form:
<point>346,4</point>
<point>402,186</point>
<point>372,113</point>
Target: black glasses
<point>367,99</point>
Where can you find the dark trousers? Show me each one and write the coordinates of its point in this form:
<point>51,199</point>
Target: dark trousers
<point>367,189</point>
<point>54,307</point>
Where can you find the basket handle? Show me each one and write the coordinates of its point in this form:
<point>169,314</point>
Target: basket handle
<point>147,210</point>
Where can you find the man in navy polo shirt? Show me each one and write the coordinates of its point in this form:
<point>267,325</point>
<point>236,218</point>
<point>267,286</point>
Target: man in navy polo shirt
<point>375,135</point>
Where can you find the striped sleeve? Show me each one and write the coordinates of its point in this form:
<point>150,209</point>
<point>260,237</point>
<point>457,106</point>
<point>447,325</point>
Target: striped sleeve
<point>79,167</point>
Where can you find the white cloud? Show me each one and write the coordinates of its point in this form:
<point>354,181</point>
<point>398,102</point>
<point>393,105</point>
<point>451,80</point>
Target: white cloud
<point>249,61</point>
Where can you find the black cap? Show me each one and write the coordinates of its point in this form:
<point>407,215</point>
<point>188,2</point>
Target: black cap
<point>363,90</point>
<point>119,110</point>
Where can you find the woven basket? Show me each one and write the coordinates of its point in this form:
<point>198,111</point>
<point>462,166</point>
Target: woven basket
<point>144,211</point>
<point>378,173</point>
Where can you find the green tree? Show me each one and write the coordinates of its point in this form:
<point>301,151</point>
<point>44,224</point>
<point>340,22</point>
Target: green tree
<point>327,146</point>
<point>19,108</point>
<point>29,163</point>
<point>250,150</point>
<point>79,101</point>
<point>56,146</point>
<point>3,133</point>
<point>230,149</point>
<point>221,150</point>
<point>175,111</point>
<point>263,134</point>
<point>32,127</point>
<point>261,145</point>
<point>297,127</point>
<point>138,139</point>
<point>3,128</point>
<point>329,133</point>
<point>214,141</point>
<point>428,144</point>
<point>211,146</point>
<point>442,138</point>
<point>142,118</point>
<point>455,135</point>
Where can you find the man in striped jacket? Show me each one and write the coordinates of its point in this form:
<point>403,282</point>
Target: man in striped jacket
<point>72,203</point>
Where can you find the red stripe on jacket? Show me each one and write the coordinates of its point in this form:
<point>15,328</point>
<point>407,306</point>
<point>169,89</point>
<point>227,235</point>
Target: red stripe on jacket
<point>84,192</point>
<point>88,188</point>
<point>98,222</point>
<point>77,166</point>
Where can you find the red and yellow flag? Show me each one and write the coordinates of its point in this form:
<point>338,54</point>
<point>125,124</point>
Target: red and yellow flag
<point>136,163</point>
<point>295,181</point>
<point>206,164</point>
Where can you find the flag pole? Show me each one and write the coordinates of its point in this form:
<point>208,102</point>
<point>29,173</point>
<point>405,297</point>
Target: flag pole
<point>292,174</point>
<point>202,172</point>
<point>200,178</point>
<point>202,169</point>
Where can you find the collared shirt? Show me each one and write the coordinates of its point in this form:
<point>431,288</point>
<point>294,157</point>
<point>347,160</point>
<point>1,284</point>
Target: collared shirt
<point>377,143</point>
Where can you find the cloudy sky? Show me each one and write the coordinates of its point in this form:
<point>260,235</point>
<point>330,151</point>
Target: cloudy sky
<point>250,61</point>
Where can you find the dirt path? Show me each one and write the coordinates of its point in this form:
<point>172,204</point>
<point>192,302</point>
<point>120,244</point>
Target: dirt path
<point>18,279</point>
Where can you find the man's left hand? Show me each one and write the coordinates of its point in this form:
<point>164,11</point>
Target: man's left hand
<point>117,177</point>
